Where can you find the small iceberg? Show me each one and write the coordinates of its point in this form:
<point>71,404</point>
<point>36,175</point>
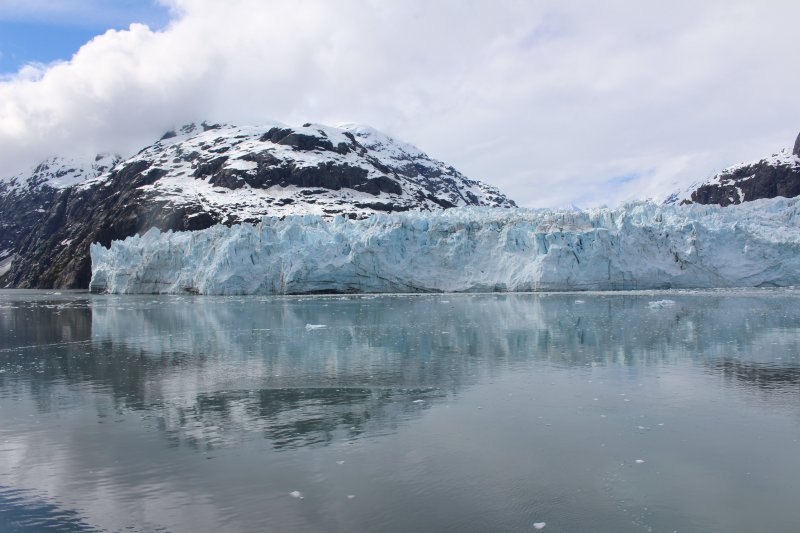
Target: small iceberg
<point>660,304</point>
<point>310,327</point>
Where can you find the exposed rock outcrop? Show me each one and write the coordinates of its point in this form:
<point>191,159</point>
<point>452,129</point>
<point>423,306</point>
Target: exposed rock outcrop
<point>796,150</point>
<point>777,175</point>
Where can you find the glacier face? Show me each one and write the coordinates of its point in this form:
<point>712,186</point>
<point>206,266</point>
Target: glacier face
<point>637,246</point>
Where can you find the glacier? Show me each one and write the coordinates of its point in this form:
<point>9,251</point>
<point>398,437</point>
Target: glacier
<point>640,245</point>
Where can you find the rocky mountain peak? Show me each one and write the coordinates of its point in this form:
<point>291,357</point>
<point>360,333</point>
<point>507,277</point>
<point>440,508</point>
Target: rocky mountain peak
<point>203,174</point>
<point>776,175</point>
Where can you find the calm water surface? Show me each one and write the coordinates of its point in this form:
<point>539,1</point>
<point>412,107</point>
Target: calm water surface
<point>594,412</point>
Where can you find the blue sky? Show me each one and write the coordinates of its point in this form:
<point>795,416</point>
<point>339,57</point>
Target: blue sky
<point>47,31</point>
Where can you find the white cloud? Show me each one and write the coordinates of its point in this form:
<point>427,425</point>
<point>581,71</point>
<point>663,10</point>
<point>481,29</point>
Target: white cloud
<point>555,102</point>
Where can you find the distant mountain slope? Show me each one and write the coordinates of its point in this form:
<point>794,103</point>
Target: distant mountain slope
<point>201,175</point>
<point>25,198</point>
<point>777,175</point>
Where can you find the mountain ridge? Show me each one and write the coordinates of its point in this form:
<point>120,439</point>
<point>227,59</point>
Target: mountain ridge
<point>768,177</point>
<point>204,174</point>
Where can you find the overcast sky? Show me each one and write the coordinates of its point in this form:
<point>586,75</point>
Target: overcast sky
<point>556,103</point>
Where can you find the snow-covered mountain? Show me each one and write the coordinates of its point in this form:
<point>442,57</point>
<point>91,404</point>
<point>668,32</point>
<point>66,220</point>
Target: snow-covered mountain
<point>26,197</point>
<point>201,175</point>
<point>777,175</point>
<point>59,173</point>
<point>244,173</point>
<point>637,246</point>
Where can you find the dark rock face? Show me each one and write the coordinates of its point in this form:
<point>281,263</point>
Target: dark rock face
<point>28,202</point>
<point>19,214</point>
<point>50,230</point>
<point>306,142</point>
<point>326,175</point>
<point>752,182</point>
<point>778,175</point>
<point>56,251</point>
<point>198,176</point>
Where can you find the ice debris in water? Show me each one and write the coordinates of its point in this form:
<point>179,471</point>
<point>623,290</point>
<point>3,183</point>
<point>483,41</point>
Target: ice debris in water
<point>296,494</point>
<point>658,304</point>
<point>639,461</point>
<point>635,246</point>
<point>351,496</point>
<point>310,327</point>
<point>539,525</point>
<point>418,401</point>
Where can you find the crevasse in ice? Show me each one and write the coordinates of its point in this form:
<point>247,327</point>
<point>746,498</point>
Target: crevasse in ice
<point>635,246</point>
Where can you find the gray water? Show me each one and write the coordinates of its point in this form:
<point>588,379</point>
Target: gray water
<point>586,412</point>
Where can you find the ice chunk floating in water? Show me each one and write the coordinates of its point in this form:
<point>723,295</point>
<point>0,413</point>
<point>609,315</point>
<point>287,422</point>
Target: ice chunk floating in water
<point>658,304</point>
<point>637,246</point>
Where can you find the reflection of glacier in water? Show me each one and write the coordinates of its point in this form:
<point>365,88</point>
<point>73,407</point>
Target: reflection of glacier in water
<point>254,359</point>
<point>398,340</point>
<point>157,387</point>
<point>207,362</point>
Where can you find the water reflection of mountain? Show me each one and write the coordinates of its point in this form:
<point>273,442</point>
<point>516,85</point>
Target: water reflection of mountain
<point>202,367</point>
<point>764,376</point>
<point>46,320</point>
<point>289,418</point>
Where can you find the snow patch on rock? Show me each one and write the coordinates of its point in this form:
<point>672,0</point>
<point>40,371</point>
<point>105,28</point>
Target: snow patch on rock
<point>59,173</point>
<point>729,177</point>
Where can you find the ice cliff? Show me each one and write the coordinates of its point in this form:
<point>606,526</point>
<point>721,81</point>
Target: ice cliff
<point>637,246</point>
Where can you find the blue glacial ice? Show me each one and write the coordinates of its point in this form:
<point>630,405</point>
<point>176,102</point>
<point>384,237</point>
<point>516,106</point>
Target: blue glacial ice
<point>636,246</point>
